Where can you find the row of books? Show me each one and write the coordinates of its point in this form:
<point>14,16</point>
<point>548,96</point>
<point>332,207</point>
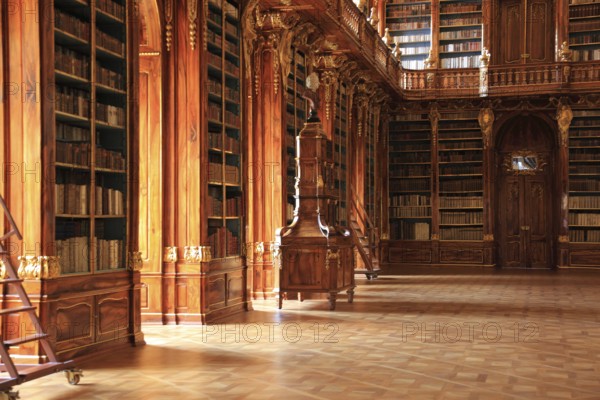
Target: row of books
<point>585,11</point>
<point>575,2</point>
<point>215,173</point>
<point>411,170</point>
<point>587,142</point>
<point>471,169</point>
<point>583,155</point>
<point>461,34</point>
<point>413,64</point>
<point>223,242</point>
<point>583,39</point>
<point>215,17</point>
<point>406,230</point>
<point>215,140</point>
<point>586,55</point>
<point>109,42</point>
<point>414,200</point>
<point>231,68</point>
<point>77,153</point>
<point>583,133</point>
<point>460,62</point>
<point>414,50</point>
<point>407,146</point>
<point>461,185</point>
<point>412,158</point>
<point>457,145</point>
<point>461,217</point>
<point>403,212</point>
<point>403,2</point>
<point>110,159</point>
<point>410,25</point>
<point>584,185</point>
<point>71,24</point>
<point>231,10</point>
<point>585,169</point>
<point>586,113</point>
<point>71,133</point>
<point>214,86</point>
<point>449,156</point>
<point>214,38</point>
<point>114,8</point>
<point>460,20</point>
<point>110,78</point>
<point>584,219</point>
<point>110,254</point>
<point>463,46</point>
<point>289,211</point>
<point>111,115</point>
<point>460,7</point>
<point>409,185</point>
<point>232,118</point>
<point>412,38</point>
<point>461,202</point>
<point>232,94</point>
<point>414,10</point>
<point>71,199</point>
<point>71,62</point>
<point>578,26</point>
<point>231,28</point>
<point>463,233</point>
<point>233,206</point>
<point>215,111</point>
<point>584,235</point>
<point>585,122</point>
<point>74,254</point>
<point>109,201</point>
<point>72,101</point>
<point>231,47</point>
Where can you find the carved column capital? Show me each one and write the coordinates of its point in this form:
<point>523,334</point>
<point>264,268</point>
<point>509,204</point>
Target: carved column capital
<point>170,254</point>
<point>197,254</point>
<point>135,261</point>
<point>38,267</point>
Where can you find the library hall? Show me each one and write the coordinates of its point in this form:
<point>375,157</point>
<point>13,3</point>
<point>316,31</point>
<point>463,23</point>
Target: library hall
<point>300,199</point>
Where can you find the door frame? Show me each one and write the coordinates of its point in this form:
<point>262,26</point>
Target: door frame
<point>554,166</point>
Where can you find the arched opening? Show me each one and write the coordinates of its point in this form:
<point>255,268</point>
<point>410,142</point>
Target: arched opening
<point>525,162</point>
<point>150,160</point>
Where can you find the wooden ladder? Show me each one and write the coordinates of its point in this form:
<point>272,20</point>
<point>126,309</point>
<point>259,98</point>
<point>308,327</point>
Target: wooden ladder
<point>12,374</point>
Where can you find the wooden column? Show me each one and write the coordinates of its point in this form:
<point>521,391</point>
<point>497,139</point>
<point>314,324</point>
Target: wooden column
<point>561,23</point>
<point>486,122</point>
<point>564,115</point>
<point>487,16</point>
<point>435,33</point>
<point>434,117</point>
<point>383,168</point>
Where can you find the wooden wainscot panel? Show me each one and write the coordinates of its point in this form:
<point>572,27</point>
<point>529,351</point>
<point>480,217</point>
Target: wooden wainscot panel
<point>113,317</point>
<point>304,269</point>
<point>151,297</point>
<point>74,324</point>
<point>585,258</point>
<point>418,256</point>
<point>461,256</point>
<point>216,291</point>
<point>235,288</point>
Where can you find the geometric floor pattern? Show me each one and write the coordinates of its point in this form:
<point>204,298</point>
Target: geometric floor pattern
<point>426,334</point>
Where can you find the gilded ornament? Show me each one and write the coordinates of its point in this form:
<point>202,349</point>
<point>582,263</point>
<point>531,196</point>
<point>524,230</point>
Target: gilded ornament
<point>168,24</point>
<point>135,261</point>
<point>192,8</point>
<point>564,116</point>
<point>486,122</point>
<point>38,267</point>
<point>170,254</point>
<point>332,255</point>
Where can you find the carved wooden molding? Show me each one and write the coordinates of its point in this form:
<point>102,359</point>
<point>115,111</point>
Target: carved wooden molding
<point>168,24</point>
<point>192,8</point>
<point>564,116</point>
<point>170,254</point>
<point>508,162</point>
<point>39,267</point>
<point>135,261</point>
<point>197,254</point>
<point>3,271</point>
<point>486,122</point>
<point>333,255</point>
<point>488,237</point>
<point>563,239</point>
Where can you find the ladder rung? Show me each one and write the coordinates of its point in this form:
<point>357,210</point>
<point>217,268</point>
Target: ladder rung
<point>16,310</point>
<point>28,372</point>
<point>2,281</point>
<point>26,339</point>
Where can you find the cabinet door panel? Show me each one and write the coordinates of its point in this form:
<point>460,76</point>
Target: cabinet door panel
<point>113,316</point>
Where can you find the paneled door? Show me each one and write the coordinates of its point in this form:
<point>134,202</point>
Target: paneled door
<point>524,214</point>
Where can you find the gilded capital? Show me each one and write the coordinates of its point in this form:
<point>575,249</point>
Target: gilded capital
<point>197,254</point>
<point>170,254</point>
<point>135,261</point>
<point>38,267</point>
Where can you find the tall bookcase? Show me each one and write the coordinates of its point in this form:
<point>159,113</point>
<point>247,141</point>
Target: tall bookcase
<point>370,168</point>
<point>340,146</point>
<point>460,163</point>
<point>584,29</point>
<point>410,177</point>
<point>225,225</point>
<point>409,23</point>
<point>460,33</point>
<point>90,120</point>
<point>584,176</point>
<point>296,115</point>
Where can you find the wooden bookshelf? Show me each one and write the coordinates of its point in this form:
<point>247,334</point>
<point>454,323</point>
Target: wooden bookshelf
<point>409,23</point>
<point>340,148</point>
<point>225,193</point>
<point>296,115</point>
<point>584,176</point>
<point>460,33</point>
<point>410,177</point>
<point>584,30</point>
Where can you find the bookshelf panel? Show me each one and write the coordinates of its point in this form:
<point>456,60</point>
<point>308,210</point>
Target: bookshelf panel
<point>584,30</point>
<point>409,23</point>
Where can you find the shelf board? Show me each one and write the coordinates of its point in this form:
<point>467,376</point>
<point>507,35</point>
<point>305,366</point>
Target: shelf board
<point>105,18</point>
<point>410,177</point>
<point>460,162</point>
<point>460,39</point>
<point>109,216</point>
<point>72,166</point>
<point>460,208</point>
<point>410,30</point>
<point>108,127</point>
<point>583,209</point>
<point>584,31</point>
<point>460,175</point>
<point>410,151</point>
<point>584,4</point>
<point>409,163</point>
<point>67,117</point>
<point>481,224</point>
<point>101,88</point>
<point>461,26</point>
<point>73,216</point>
<point>460,192</point>
<point>110,170</point>
<point>65,77</point>
<point>452,52</point>
<point>65,38</point>
<point>466,149</point>
<point>389,17</point>
<point>460,12</point>
<point>584,226</point>
<point>583,18</point>
<point>426,218</point>
<point>101,52</point>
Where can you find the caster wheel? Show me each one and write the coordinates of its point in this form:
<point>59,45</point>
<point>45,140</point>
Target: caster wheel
<point>73,376</point>
<point>9,395</point>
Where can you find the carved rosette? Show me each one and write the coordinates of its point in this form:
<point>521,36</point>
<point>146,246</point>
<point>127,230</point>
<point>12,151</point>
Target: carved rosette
<point>333,256</point>
<point>168,24</point>
<point>38,267</point>
<point>486,122</point>
<point>564,116</point>
<point>192,8</point>
<point>170,254</point>
<point>135,261</point>
<point>196,254</point>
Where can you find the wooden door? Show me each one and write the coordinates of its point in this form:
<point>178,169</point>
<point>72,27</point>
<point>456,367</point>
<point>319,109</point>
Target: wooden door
<point>524,32</point>
<point>524,221</point>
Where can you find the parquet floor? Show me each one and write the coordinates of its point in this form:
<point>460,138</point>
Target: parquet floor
<point>433,334</point>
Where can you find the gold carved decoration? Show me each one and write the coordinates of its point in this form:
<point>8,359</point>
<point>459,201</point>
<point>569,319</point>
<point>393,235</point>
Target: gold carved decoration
<point>486,122</point>
<point>170,254</point>
<point>329,80</point>
<point>259,251</point>
<point>332,255</point>
<point>385,236</point>
<point>484,61</point>
<point>435,236</point>
<point>249,34</point>
<point>564,116</point>
<point>387,38</point>
<point>563,239</point>
<point>540,163</point>
<point>205,25</point>
<point>197,254</point>
<point>488,237</point>
<point>168,24</point>
<point>135,261</point>
<point>39,267</point>
<point>564,52</point>
<point>373,18</point>
<point>3,271</point>
<point>192,8</point>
